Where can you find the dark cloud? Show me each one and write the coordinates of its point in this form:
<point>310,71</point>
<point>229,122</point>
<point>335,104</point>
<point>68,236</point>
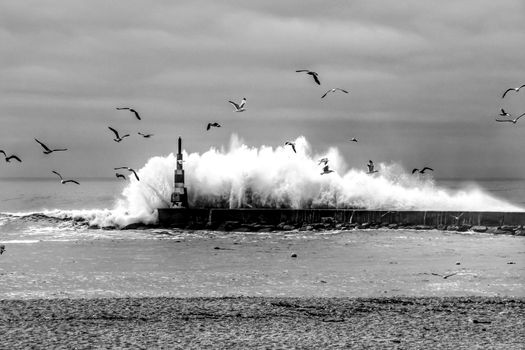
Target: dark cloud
<point>434,68</point>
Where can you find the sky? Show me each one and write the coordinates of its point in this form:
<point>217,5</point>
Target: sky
<point>425,80</point>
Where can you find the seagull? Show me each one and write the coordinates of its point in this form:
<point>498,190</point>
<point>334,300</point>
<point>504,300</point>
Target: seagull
<point>288,143</point>
<point>422,171</point>
<point>312,73</point>
<point>118,175</point>
<point>146,136</point>
<point>513,121</point>
<point>65,181</point>
<point>370,166</point>
<point>47,150</point>
<point>512,89</point>
<point>131,110</point>
<point>444,276</point>
<point>504,114</point>
<point>323,160</point>
<point>353,139</point>
<point>326,170</point>
<point>8,159</point>
<point>2,249</point>
<point>2,151</point>
<point>457,217</point>
<point>216,125</point>
<point>239,107</point>
<point>117,137</point>
<point>127,168</point>
<point>334,90</point>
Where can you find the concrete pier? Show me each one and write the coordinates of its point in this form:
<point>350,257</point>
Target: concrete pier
<point>214,218</point>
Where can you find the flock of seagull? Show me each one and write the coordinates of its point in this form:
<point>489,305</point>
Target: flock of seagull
<point>505,114</point>
<point>240,107</point>
<point>47,150</point>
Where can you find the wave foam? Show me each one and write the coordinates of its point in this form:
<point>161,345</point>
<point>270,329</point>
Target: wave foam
<point>271,177</point>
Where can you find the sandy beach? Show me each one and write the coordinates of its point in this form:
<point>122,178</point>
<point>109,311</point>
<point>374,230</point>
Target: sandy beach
<point>265,323</point>
<point>349,289</point>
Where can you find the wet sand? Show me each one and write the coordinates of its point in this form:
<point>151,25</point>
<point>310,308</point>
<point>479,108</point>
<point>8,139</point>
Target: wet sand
<point>342,290</point>
<point>213,264</point>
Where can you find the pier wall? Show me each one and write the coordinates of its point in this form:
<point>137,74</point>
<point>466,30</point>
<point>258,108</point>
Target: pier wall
<point>215,218</point>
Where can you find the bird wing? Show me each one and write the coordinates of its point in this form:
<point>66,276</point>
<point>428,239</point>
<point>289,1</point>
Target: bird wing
<point>60,149</point>
<point>73,181</point>
<point>122,167</point>
<point>2,151</point>
<point>136,113</point>
<point>235,105</point>
<point>414,170</point>
<point>427,168</point>
<point>293,147</point>
<point>114,131</point>
<point>122,108</point>
<point>519,117</point>
<point>243,102</point>
<point>302,70</point>
<point>209,126</point>
<point>450,275</point>
<point>326,93</point>
<point>124,136</point>
<point>316,78</point>
<point>510,89</point>
<point>44,146</point>
<point>14,157</point>
<point>521,86</point>
<point>505,120</point>
<point>60,176</point>
<point>342,90</point>
<point>134,173</point>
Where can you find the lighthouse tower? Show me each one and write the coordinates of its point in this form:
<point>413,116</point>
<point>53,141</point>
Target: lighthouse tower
<point>179,197</point>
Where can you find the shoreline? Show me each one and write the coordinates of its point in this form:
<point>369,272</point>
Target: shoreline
<point>247,322</point>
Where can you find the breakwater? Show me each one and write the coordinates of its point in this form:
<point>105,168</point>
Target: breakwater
<point>314,219</point>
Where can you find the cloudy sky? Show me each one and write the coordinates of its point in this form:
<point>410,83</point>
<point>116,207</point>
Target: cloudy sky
<point>425,80</point>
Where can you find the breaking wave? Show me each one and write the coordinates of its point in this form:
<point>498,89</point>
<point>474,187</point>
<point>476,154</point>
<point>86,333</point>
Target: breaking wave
<point>268,177</point>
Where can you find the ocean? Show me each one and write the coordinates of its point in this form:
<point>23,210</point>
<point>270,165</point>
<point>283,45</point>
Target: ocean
<point>39,209</point>
<point>52,253</point>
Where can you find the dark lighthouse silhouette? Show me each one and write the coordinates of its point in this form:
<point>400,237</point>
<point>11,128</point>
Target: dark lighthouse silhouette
<point>179,197</point>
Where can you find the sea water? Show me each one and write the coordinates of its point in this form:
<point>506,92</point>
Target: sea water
<point>241,177</point>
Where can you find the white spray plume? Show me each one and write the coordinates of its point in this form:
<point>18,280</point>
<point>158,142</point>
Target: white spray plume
<point>268,177</point>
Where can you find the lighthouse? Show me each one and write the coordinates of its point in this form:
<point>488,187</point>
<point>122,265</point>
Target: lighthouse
<point>179,197</point>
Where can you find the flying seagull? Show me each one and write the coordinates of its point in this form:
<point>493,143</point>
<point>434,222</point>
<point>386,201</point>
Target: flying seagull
<point>8,159</point>
<point>444,276</point>
<point>512,89</point>
<point>422,171</point>
<point>131,110</point>
<point>127,168</point>
<point>215,125</point>
<point>370,166</point>
<point>117,137</point>
<point>326,170</point>
<point>334,90</point>
<point>513,121</point>
<point>353,139</point>
<point>503,113</point>
<point>65,181</point>
<point>47,150</point>
<point>312,73</point>
<point>288,143</point>
<point>457,217</point>
<point>146,136</point>
<point>239,107</point>
<point>323,160</point>
<point>119,175</point>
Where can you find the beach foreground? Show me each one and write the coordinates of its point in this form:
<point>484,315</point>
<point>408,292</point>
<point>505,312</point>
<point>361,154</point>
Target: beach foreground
<point>256,322</point>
